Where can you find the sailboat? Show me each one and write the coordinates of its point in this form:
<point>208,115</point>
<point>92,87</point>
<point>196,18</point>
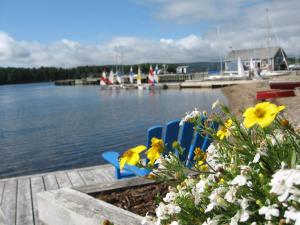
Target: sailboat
<point>103,79</point>
<point>153,79</point>
<point>241,71</point>
<point>111,78</point>
<point>151,76</point>
<point>131,75</point>
<point>156,72</point>
<point>139,77</point>
<point>269,71</point>
<point>119,80</point>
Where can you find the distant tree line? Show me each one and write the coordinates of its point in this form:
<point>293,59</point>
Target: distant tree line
<point>13,75</point>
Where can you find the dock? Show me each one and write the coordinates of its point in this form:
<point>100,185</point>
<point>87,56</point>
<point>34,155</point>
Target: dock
<point>18,194</point>
<point>215,84</point>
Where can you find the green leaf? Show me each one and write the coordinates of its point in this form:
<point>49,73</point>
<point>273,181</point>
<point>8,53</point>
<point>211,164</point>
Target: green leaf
<point>293,159</point>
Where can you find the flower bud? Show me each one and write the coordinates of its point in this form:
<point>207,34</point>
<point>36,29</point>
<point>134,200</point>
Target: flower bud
<point>175,144</point>
<point>259,203</point>
<point>284,122</point>
<point>261,177</point>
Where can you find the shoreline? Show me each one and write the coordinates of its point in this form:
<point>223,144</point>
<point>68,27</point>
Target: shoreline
<point>242,96</point>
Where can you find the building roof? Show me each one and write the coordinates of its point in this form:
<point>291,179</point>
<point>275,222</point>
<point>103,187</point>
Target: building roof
<point>247,54</point>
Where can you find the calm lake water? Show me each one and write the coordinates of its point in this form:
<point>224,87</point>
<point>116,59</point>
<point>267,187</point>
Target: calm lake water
<point>46,128</point>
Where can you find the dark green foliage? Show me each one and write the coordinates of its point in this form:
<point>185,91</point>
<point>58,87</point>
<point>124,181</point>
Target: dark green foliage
<point>13,75</point>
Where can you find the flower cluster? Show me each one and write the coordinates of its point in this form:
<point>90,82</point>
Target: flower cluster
<point>191,117</point>
<point>250,173</point>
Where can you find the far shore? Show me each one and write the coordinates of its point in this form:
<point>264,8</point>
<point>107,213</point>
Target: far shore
<point>244,95</point>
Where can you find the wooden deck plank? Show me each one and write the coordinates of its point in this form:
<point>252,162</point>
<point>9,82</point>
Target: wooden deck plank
<point>75,178</point>
<point>110,172</point>
<point>50,182</point>
<point>9,201</point>
<point>104,166</point>
<point>24,205</point>
<point>37,186</point>
<point>101,175</point>
<point>63,180</point>
<point>88,177</point>
<point>1,191</point>
<point>14,195</point>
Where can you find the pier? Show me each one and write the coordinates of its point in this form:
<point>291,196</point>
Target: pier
<point>18,194</point>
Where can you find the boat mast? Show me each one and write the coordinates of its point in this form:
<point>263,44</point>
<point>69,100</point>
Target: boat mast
<point>220,55</point>
<point>269,35</point>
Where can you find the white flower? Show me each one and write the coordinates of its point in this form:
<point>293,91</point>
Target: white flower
<point>198,190</point>
<point>244,203</point>
<point>245,169</point>
<point>244,215</point>
<point>189,182</point>
<point>239,180</point>
<point>160,161</point>
<point>230,195</point>
<point>235,219</point>
<point>241,215</point>
<point>215,104</point>
<point>201,185</point>
<point>170,196</point>
<point>148,220</point>
<point>211,149</point>
<point>283,183</point>
<point>292,214</point>
<point>174,223</point>
<point>161,211</point>
<point>190,116</point>
<point>269,211</point>
<point>210,206</point>
<point>260,152</point>
<point>215,198</point>
<point>173,209</point>
<point>210,221</point>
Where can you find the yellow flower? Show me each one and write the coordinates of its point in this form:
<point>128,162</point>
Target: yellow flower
<point>200,163</point>
<point>262,114</point>
<point>222,181</point>
<point>228,123</point>
<point>199,154</point>
<point>131,156</point>
<point>204,167</point>
<point>224,131</point>
<point>157,147</point>
<point>175,145</point>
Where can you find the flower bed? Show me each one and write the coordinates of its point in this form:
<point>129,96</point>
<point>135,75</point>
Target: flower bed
<point>250,174</point>
<point>139,200</point>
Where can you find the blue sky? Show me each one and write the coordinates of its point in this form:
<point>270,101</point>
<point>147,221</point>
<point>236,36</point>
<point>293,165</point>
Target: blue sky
<point>86,21</point>
<point>72,33</point>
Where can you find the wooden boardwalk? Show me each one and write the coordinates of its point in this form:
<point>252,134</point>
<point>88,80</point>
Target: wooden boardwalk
<point>18,194</point>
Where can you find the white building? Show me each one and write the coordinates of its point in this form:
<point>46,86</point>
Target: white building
<point>273,58</point>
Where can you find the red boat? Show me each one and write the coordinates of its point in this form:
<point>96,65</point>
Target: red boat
<point>286,85</point>
<point>275,93</point>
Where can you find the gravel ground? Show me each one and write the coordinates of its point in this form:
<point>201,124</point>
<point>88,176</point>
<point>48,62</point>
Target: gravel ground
<point>243,96</point>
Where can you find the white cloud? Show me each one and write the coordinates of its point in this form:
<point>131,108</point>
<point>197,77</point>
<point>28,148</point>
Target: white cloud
<point>243,24</point>
<point>68,53</point>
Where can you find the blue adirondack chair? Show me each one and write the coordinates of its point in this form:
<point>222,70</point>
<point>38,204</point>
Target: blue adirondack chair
<point>185,135</point>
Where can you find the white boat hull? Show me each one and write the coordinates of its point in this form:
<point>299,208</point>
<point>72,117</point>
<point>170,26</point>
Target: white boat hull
<point>275,73</point>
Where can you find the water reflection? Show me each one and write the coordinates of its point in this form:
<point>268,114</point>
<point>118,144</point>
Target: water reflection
<point>49,127</point>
